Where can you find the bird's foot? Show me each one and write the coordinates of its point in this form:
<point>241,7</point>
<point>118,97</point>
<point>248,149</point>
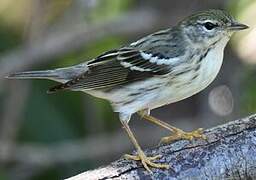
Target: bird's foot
<point>146,161</point>
<point>180,134</point>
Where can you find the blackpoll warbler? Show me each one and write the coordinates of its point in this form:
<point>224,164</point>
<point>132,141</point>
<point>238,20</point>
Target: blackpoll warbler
<point>159,69</point>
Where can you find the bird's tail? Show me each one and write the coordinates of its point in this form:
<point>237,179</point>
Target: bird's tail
<point>44,74</point>
<point>60,75</point>
<point>47,74</point>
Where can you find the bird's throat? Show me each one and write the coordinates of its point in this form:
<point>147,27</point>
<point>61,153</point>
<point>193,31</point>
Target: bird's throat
<point>211,64</point>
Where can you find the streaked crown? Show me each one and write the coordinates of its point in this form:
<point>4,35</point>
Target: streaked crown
<point>210,26</point>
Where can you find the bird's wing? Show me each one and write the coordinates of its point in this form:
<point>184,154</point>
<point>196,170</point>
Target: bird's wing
<point>113,69</point>
<point>122,66</point>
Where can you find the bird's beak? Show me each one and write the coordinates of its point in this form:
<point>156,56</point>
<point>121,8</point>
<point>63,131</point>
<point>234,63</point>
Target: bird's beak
<point>235,26</point>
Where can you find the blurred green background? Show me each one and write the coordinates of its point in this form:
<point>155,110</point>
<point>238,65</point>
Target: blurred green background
<point>59,135</point>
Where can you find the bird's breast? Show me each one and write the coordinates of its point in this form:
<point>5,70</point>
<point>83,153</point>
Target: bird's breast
<point>200,75</point>
<point>211,64</point>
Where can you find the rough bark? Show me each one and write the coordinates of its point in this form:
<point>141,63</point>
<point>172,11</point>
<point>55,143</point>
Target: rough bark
<point>228,153</point>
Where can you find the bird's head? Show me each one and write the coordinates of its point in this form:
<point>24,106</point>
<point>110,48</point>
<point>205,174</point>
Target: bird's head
<point>208,27</point>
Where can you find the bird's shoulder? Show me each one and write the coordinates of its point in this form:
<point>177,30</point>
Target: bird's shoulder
<point>167,43</point>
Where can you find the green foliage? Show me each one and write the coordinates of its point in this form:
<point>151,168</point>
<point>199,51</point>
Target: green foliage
<point>248,96</point>
<point>2,175</point>
<point>237,6</point>
<point>8,38</point>
<point>107,9</point>
<point>51,118</point>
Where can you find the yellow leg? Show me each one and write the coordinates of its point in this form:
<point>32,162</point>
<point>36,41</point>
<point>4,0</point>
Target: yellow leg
<point>177,133</point>
<point>146,161</point>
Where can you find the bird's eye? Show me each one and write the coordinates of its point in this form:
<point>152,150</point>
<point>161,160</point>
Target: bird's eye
<point>209,25</point>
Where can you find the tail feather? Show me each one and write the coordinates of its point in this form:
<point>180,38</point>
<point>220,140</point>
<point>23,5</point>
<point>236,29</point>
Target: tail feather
<point>60,75</point>
<point>47,74</point>
<point>33,75</point>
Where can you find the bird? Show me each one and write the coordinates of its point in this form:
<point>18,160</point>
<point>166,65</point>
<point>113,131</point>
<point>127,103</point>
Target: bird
<point>161,68</point>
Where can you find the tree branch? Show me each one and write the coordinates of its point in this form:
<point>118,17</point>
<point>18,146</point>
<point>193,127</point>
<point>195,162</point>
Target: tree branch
<point>228,153</point>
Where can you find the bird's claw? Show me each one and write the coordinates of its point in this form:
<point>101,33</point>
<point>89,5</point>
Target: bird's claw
<point>146,161</point>
<point>179,134</point>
